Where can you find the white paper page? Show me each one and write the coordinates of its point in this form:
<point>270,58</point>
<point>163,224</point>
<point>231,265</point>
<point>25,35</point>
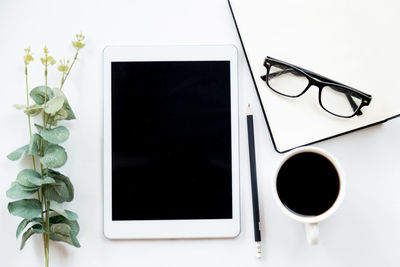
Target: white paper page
<point>353,42</point>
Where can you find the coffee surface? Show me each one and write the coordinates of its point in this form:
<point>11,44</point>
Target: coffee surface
<point>308,184</point>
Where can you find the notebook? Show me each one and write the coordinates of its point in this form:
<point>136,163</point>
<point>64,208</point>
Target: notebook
<point>352,42</point>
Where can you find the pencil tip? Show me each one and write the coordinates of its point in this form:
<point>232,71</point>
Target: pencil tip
<point>248,109</point>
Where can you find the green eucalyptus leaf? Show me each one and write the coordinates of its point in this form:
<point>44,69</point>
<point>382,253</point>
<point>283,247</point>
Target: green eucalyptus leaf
<point>57,92</point>
<point>38,229</point>
<point>34,145</point>
<point>41,181</point>
<point>57,207</point>
<point>25,208</point>
<point>68,109</point>
<point>54,156</point>
<point>57,219</point>
<point>60,228</point>
<point>18,191</point>
<point>54,136</point>
<point>62,232</point>
<point>38,94</point>
<point>58,192</point>
<point>54,105</point>
<point>24,176</point>
<point>24,188</point>
<point>21,226</point>
<point>75,241</point>
<point>72,224</point>
<point>26,236</point>
<point>62,190</point>
<point>24,223</point>
<point>33,110</point>
<point>62,114</point>
<point>27,188</point>
<point>17,154</point>
<point>71,215</point>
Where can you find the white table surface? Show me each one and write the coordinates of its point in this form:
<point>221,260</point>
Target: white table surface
<point>363,232</point>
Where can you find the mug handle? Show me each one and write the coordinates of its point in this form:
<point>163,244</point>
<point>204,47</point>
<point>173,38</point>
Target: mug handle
<point>312,233</point>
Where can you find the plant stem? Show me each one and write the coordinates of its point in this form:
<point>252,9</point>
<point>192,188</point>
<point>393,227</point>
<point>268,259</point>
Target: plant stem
<point>44,193</point>
<point>45,95</point>
<point>43,220</point>
<point>47,257</point>
<point>47,246</point>
<point>29,116</point>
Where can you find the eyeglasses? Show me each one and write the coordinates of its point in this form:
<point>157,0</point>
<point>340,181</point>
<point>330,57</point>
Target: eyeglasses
<point>292,81</point>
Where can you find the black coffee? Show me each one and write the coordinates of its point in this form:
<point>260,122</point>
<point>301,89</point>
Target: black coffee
<point>308,184</point>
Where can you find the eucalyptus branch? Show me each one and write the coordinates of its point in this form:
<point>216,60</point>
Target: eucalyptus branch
<point>64,68</point>
<point>47,229</point>
<point>65,75</point>
<point>45,214</point>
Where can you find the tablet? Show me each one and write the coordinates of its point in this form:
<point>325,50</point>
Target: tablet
<point>171,145</point>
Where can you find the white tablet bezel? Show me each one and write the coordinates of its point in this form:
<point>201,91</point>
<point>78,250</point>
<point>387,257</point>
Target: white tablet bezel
<point>157,229</point>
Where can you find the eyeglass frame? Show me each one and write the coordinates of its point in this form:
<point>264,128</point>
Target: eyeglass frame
<point>320,82</point>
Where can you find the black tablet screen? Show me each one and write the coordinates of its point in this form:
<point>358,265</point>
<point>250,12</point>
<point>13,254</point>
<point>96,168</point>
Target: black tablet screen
<point>171,140</point>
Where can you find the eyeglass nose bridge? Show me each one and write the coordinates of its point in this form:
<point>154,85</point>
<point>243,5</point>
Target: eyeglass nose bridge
<point>310,84</point>
<point>316,83</point>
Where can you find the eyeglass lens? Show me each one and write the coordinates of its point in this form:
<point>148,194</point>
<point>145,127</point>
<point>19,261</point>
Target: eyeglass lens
<point>286,81</point>
<point>339,101</point>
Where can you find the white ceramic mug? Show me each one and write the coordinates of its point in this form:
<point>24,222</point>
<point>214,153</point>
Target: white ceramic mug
<point>311,222</point>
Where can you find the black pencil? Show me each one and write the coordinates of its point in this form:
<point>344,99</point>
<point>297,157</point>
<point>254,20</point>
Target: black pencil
<point>253,176</point>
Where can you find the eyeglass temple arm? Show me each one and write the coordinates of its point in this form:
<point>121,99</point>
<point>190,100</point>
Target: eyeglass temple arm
<point>353,104</point>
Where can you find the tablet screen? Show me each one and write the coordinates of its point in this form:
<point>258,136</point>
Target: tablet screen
<point>171,140</point>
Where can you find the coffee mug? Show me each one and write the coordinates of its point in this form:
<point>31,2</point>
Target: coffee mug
<point>308,186</point>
